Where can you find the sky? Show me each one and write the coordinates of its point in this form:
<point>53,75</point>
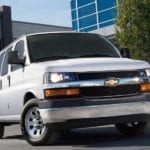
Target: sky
<point>52,12</point>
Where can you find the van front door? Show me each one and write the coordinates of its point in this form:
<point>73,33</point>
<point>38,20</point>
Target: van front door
<point>16,77</point>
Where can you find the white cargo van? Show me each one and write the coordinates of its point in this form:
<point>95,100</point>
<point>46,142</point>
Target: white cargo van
<point>51,82</point>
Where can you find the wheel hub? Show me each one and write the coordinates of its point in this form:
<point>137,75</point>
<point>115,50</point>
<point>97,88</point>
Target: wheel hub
<point>37,122</point>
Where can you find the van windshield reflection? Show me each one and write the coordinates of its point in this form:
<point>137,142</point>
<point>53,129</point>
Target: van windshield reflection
<point>54,46</point>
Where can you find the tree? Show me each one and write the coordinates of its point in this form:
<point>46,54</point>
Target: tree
<point>133,27</point>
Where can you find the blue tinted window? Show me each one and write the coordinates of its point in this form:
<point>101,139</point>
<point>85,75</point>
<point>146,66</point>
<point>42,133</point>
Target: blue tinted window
<point>107,15</point>
<point>89,29</point>
<point>73,4</point>
<point>87,10</point>
<point>74,25</point>
<point>107,24</point>
<point>74,15</point>
<point>105,4</point>
<point>90,20</point>
<point>84,2</point>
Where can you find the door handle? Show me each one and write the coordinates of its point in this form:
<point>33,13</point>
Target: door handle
<point>8,78</point>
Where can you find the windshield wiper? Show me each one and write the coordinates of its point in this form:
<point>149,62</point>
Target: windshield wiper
<point>52,58</point>
<point>95,55</point>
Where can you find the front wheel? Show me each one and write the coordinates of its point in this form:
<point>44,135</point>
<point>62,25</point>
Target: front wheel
<point>134,128</point>
<point>33,129</point>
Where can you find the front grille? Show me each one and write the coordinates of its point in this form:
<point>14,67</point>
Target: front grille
<point>122,90</point>
<point>105,91</point>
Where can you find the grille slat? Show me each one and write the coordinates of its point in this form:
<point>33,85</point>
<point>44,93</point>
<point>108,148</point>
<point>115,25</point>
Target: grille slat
<point>105,75</point>
<point>110,91</point>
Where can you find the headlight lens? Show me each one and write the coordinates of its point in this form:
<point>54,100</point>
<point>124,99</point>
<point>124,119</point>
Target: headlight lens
<point>148,72</point>
<point>56,77</point>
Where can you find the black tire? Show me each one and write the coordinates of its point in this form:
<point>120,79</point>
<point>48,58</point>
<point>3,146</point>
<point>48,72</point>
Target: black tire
<point>48,136</point>
<point>135,128</point>
<point>1,131</point>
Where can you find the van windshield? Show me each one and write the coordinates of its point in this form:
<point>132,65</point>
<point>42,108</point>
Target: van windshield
<point>44,47</point>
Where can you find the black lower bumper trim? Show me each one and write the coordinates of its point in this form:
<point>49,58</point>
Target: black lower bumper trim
<point>82,123</point>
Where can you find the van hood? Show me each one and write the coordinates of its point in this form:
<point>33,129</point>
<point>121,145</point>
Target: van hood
<point>94,64</point>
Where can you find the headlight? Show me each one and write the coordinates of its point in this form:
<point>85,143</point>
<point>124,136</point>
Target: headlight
<point>145,73</point>
<point>56,77</point>
<point>148,72</point>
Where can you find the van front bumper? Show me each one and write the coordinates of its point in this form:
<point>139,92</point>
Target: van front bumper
<point>119,108</point>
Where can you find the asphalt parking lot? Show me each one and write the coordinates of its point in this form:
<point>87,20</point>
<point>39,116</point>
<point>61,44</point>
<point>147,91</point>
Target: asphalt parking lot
<point>102,138</point>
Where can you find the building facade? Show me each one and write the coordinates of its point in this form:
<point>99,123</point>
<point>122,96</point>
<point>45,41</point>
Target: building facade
<point>94,16</point>
<point>19,28</point>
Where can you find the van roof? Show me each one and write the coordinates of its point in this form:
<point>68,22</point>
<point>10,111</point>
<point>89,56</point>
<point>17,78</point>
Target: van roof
<point>65,32</point>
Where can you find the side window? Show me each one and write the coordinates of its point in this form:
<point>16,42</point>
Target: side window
<point>20,49</point>
<point>5,63</point>
<point>1,60</point>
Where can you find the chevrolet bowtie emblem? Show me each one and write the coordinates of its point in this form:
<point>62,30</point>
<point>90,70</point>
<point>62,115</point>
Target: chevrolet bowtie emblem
<point>111,82</point>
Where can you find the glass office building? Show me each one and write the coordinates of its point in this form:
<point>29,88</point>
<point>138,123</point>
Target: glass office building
<point>94,16</point>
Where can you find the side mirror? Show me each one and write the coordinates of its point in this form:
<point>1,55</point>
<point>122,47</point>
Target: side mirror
<point>13,58</point>
<point>125,53</point>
